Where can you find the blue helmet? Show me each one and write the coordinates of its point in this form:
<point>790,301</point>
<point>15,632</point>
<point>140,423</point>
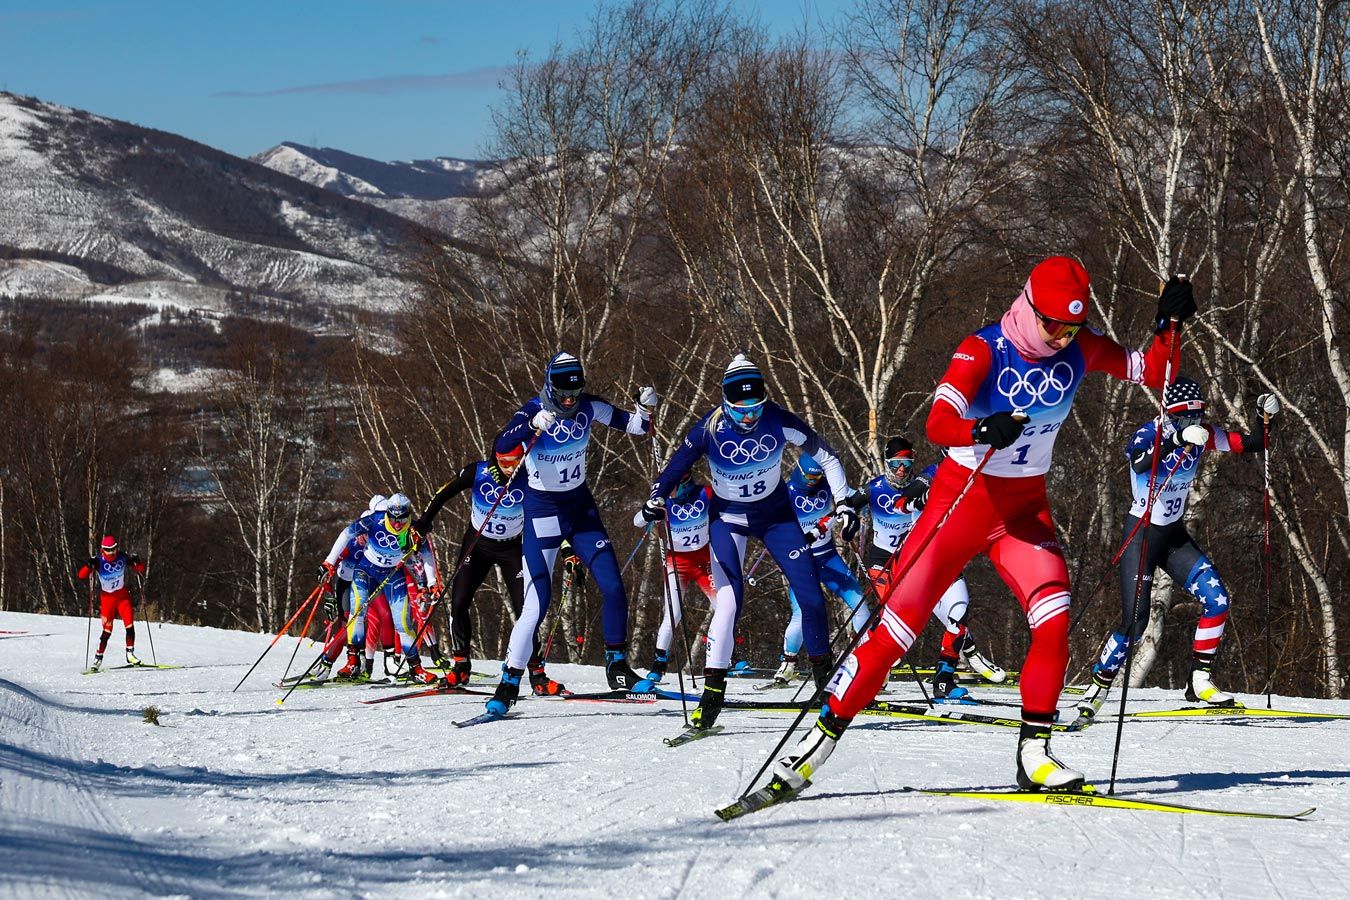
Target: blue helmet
<point>398,512</point>
<point>563,383</point>
<point>807,473</point>
<point>743,394</point>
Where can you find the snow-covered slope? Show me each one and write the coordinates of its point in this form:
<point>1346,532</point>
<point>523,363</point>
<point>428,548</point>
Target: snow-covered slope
<point>327,797</point>
<point>360,176</point>
<point>90,203</point>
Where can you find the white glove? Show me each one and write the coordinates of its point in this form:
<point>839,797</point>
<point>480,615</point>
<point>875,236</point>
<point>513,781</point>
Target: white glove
<point>1268,404</point>
<point>1195,434</point>
<point>648,397</point>
<point>543,420</point>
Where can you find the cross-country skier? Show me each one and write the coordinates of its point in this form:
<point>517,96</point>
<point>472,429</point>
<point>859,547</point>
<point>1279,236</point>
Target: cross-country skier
<point>743,440</point>
<point>1007,390</point>
<point>338,604</point>
<point>896,497</point>
<point>559,506</point>
<point>338,598</point>
<point>496,521</point>
<point>688,563</point>
<point>1167,543</point>
<point>390,542</point>
<point>810,496</point>
<point>111,566</point>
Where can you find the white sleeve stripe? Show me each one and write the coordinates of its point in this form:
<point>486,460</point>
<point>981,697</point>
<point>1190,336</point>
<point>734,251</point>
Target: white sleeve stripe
<point>1135,367</point>
<point>1221,441</point>
<point>957,400</point>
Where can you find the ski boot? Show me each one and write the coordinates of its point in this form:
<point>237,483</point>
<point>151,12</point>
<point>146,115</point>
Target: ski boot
<point>710,704</point>
<point>1200,689</point>
<point>543,686</point>
<point>620,674</point>
<point>133,661</point>
<point>1037,767</point>
<point>1092,700</point>
<point>822,670</point>
<point>322,669</point>
<point>459,673</point>
<point>367,669</point>
<point>659,663</point>
<point>508,691</point>
<point>794,771</point>
<point>98,663</point>
<point>352,670</point>
<point>944,682</point>
<point>418,675</point>
<point>438,660</point>
<point>787,671</point>
<point>980,664</point>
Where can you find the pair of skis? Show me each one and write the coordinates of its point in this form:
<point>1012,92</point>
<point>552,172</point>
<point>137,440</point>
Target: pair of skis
<point>98,671</point>
<point>777,792</point>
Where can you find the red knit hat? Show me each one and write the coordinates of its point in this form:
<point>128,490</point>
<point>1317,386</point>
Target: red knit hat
<point>1059,289</point>
<point>109,544</point>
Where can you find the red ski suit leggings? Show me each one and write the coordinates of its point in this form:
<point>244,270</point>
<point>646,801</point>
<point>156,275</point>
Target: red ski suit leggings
<point>115,605</point>
<point>1008,520</point>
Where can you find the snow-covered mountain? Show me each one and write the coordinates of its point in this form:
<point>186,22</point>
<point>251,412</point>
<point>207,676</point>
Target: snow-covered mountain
<point>359,176</point>
<point>95,207</point>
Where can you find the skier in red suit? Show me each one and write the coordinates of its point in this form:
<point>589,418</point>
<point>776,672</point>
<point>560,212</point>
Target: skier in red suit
<point>111,567</point>
<point>1008,387</point>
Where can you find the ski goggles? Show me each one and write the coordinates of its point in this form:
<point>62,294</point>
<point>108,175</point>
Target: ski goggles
<point>900,465</point>
<point>1057,329</point>
<point>744,415</point>
<point>1186,418</point>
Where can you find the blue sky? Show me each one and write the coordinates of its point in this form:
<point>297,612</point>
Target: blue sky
<point>397,79</point>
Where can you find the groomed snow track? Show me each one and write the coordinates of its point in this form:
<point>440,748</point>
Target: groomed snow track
<point>234,797</point>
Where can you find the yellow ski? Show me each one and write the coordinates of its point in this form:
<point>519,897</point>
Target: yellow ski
<point>1089,797</point>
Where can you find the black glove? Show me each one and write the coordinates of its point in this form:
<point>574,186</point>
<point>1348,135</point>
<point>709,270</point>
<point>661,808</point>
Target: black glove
<point>422,525</point>
<point>653,510</point>
<point>330,606</point>
<point>916,492</point>
<point>999,430</point>
<point>133,559</point>
<point>856,499</point>
<point>1177,301</point>
<point>848,520</point>
<point>326,572</point>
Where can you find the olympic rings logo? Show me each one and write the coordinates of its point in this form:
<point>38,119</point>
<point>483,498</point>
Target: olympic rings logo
<point>686,511</point>
<point>386,540</point>
<point>492,492</point>
<point>810,504</point>
<point>888,502</point>
<point>1187,461</point>
<point>757,449</point>
<point>574,428</point>
<point>1046,387</point>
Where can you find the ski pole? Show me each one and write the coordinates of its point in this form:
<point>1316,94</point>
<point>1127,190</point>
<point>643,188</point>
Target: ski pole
<point>468,549</point>
<point>300,637</point>
<point>876,614</point>
<point>750,576</point>
<point>89,627</point>
<point>149,629</point>
<point>284,628</point>
<point>1143,552</point>
<point>1265,468</point>
<point>674,606</point>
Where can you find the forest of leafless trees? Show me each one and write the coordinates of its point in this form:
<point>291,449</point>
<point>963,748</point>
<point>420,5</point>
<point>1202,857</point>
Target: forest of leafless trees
<point>843,205</point>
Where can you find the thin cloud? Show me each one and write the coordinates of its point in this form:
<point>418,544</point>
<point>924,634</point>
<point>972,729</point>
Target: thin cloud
<point>487,77</point>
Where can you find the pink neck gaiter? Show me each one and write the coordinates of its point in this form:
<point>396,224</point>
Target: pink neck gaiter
<point>1019,324</point>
